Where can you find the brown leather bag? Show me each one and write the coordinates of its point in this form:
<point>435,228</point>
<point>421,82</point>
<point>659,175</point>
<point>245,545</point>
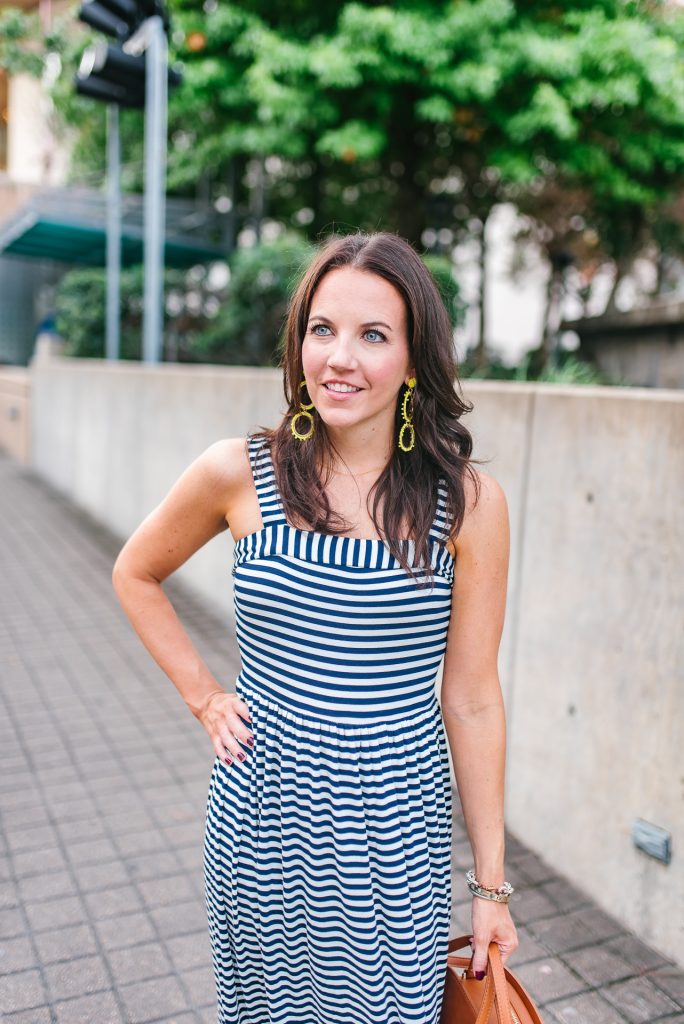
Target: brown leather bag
<point>498,998</point>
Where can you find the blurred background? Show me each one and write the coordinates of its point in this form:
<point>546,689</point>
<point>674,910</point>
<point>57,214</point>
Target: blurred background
<point>534,156</point>
<point>533,152</point>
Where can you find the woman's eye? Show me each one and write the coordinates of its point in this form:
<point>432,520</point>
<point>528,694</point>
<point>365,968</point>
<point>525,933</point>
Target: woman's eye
<point>379,336</point>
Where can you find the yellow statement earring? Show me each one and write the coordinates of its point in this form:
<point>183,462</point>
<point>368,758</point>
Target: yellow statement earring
<point>302,411</point>
<point>407,416</point>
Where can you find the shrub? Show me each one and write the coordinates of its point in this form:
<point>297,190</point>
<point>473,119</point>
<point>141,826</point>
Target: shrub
<point>240,324</point>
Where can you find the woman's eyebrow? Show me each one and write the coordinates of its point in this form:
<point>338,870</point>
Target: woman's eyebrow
<point>370,323</point>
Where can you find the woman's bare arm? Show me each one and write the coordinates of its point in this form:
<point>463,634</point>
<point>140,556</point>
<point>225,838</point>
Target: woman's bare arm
<point>473,708</point>
<point>471,698</point>
<point>191,514</point>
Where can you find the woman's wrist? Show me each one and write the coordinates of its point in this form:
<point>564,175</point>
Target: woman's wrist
<point>198,711</point>
<point>490,879</point>
<point>489,873</point>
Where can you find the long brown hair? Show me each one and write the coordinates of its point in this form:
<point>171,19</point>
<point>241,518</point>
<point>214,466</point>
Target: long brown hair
<point>443,445</point>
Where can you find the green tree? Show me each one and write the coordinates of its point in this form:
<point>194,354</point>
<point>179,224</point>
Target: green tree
<point>429,114</point>
<point>250,321</point>
<point>80,305</point>
<point>20,48</point>
<point>426,114</point>
<point>240,323</point>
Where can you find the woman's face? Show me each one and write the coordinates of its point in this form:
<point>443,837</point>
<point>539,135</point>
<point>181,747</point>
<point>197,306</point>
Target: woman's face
<point>356,335</point>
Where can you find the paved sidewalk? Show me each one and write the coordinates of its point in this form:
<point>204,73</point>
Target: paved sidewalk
<point>103,781</point>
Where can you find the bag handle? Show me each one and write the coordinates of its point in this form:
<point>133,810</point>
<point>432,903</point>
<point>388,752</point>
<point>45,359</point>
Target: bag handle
<point>496,986</point>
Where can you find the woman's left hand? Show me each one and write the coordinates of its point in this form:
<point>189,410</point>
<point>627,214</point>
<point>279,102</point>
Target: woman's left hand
<point>492,922</point>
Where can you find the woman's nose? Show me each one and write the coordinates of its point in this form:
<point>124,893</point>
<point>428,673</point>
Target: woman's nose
<point>342,354</point>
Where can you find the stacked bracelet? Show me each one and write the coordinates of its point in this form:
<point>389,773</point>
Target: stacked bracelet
<point>501,893</point>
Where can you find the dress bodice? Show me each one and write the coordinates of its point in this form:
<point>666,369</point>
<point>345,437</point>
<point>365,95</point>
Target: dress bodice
<point>334,627</point>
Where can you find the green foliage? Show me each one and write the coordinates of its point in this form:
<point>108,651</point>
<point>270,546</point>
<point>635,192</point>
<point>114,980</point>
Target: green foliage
<point>80,305</point>
<point>248,328</point>
<point>568,369</point>
<point>242,324</point>
<point>369,106</point>
<point>523,75</point>
<point>571,370</point>
<point>442,270</point>
<point>19,47</point>
<point>80,314</point>
<point>413,115</point>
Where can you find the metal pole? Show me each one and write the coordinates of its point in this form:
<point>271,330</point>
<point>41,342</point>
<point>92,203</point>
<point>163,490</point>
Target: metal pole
<point>156,88</point>
<point>112,337</point>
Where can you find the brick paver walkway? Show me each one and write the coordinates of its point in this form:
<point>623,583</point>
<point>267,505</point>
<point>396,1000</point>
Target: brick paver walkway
<point>103,781</point>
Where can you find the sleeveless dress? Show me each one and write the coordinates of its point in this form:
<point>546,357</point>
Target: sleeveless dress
<point>327,852</point>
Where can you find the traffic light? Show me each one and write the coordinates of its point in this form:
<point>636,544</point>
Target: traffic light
<point>132,71</point>
<point>116,18</point>
<point>111,72</point>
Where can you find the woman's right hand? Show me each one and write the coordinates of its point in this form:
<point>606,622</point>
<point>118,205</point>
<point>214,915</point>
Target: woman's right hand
<point>222,716</point>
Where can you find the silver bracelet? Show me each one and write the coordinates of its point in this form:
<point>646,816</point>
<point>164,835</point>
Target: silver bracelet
<point>502,894</point>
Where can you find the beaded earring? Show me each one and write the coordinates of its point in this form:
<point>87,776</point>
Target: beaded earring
<point>302,411</point>
<point>407,416</point>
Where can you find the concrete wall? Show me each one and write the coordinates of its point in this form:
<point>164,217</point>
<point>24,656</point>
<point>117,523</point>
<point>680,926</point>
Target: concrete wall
<point>15,412</point>
<point>114,437</point>
<point>595,671</point>
<point>642,346</point>
<point>592,656</point>
<point>655,360</point>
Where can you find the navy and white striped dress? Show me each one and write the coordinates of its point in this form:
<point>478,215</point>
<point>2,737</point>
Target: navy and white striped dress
<point>327,851</point>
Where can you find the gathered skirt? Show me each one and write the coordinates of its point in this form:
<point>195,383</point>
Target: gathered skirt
<point>327,866</point>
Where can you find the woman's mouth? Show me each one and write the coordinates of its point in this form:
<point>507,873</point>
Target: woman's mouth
<point>341,391</point>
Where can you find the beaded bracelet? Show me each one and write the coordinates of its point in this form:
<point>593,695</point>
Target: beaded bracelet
<point>501,893</point>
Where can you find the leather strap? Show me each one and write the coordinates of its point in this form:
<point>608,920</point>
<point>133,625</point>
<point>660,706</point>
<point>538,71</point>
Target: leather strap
<point>487,1000</point>
<point>496,986</point>
<point>503,1007</point>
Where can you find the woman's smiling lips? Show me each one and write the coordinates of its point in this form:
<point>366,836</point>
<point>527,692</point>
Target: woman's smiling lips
<point>340,395</point>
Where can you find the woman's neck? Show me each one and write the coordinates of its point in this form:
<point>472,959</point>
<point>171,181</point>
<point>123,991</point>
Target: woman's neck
<point>359,457</point>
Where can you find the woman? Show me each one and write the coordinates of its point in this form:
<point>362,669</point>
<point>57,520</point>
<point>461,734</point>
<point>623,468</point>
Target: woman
<point>367,547</point>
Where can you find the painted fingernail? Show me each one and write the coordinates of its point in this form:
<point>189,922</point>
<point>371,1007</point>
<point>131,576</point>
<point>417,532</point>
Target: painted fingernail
<point>228,760</point>
<point>242,756</point>
<point>479,975</point>
<point>250,740</point>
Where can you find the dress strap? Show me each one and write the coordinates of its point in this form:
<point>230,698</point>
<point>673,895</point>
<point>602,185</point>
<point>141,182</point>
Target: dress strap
<point>271,506</point>
<point>263,473</point>
<point>440,527</point>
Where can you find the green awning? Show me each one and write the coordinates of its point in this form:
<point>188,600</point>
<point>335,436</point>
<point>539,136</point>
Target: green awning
<point>34,235</point>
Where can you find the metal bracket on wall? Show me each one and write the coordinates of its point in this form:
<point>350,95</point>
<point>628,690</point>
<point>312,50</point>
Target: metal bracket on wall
<point>652,839</point>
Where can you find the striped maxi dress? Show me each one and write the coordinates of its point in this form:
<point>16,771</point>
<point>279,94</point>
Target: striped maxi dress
<point>327,851</point>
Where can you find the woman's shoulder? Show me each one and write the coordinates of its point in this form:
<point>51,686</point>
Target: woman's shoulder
<point>227,461</point>
<point>486,508</point>
<point>488,489</point>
